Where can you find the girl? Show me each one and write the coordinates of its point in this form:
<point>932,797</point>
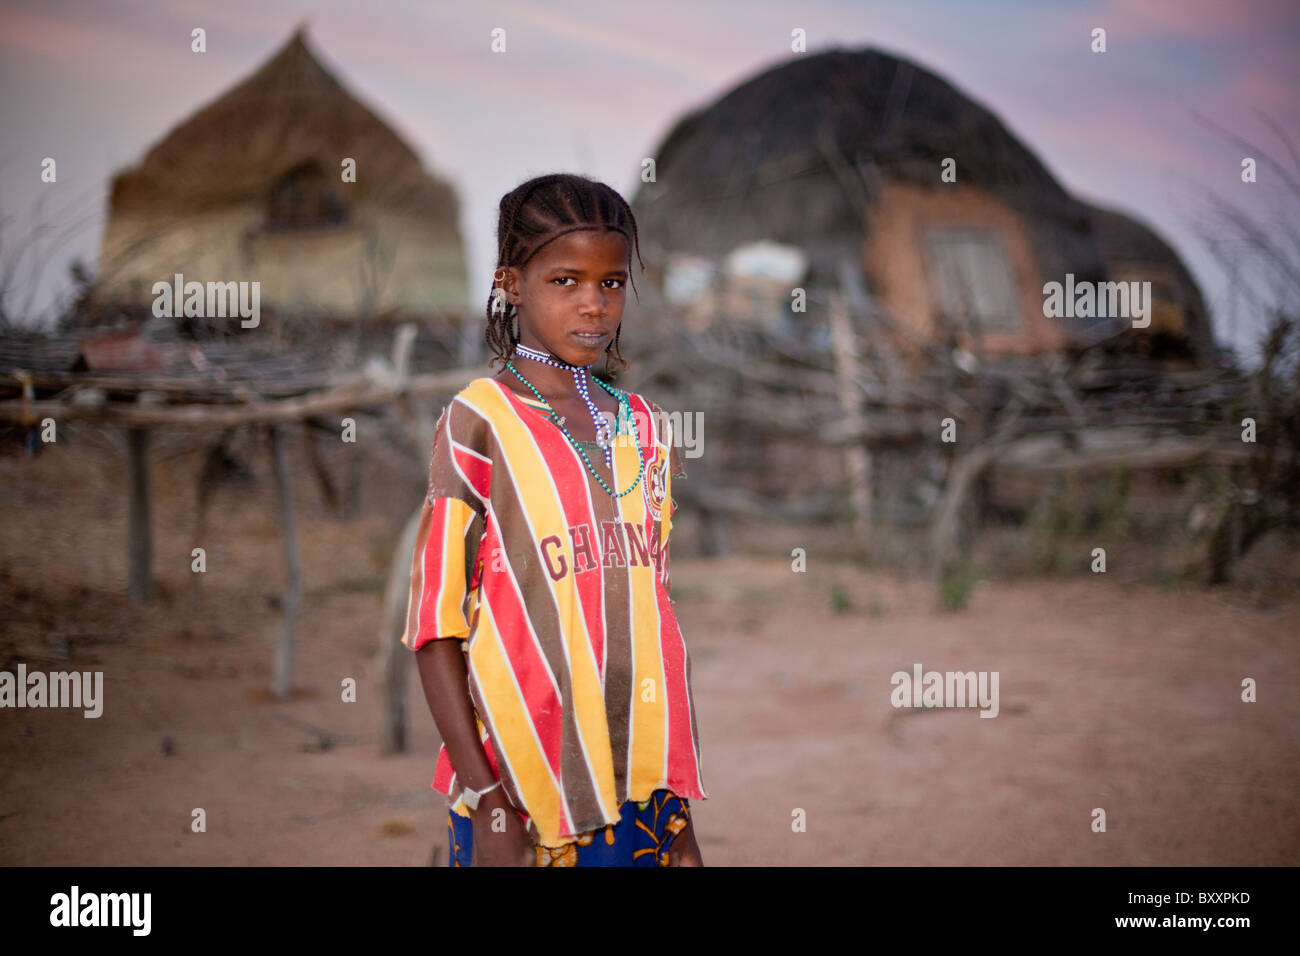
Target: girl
<point>539,605</point>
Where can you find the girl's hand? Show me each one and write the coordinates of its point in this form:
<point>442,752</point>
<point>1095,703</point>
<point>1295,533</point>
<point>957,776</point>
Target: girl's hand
<point>497,847</point>
<point>684,851</point>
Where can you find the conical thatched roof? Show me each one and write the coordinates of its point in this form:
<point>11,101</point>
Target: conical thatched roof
<point>767,160</point>
<point>290,111</point>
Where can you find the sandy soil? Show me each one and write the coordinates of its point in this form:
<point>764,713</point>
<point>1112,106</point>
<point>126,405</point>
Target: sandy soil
<point>1113,694</point>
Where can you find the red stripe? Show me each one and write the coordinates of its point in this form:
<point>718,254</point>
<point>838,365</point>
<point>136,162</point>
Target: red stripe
<point>680,743</point>
<point>443,771</point>
<point>477,471</point>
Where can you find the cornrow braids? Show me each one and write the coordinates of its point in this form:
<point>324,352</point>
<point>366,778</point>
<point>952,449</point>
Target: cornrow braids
<point>542,209</point>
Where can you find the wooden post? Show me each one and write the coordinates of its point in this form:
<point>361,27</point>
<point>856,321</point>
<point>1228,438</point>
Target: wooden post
<point>944,544</point>
<point>311,444</point>
<point>206,485</point>
<point>965,470</point>
<point>847,371</point>
<point>282,672</point>
<point>393,653</point>
<point>139,549</point>
<point>403,343</point>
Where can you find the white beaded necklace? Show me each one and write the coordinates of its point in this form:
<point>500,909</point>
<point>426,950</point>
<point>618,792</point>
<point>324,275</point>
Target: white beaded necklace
<point>580,380</point>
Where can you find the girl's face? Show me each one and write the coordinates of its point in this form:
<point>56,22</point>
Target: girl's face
<point>576,284</point>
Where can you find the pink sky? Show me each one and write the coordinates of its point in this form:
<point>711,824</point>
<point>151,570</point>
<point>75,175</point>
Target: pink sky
<point>592,87</point>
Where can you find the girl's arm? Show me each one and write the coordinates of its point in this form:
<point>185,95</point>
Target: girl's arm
<point>446,687</point>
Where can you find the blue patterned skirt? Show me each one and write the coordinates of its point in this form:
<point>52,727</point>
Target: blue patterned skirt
<point>642,836</point>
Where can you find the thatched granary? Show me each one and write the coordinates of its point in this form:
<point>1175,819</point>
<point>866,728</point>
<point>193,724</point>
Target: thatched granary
<point>840,155</point>
<point>251,188</point>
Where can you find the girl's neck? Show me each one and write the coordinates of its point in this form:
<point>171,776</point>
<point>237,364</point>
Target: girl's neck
<point>550,380</point>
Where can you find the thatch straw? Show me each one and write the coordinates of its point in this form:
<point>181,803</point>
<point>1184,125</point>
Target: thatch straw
<point>290,111</point>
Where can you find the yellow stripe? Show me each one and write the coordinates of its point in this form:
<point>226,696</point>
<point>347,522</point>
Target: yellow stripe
<point>536,490</point>
<point>414,589</point>
<point>450,614</point>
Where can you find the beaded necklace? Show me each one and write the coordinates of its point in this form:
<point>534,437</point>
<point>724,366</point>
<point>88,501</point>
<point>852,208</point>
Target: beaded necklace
<point>602,426</point>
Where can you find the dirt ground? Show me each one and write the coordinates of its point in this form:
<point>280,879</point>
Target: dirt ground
<point>1113,694</point>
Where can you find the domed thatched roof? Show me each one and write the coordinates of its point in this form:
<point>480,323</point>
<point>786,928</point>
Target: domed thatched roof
<point>289,112</point>
<point>1125,240</point>
<point>767,160</point>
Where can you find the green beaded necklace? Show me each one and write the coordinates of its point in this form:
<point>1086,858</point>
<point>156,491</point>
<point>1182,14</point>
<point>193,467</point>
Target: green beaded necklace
<point>623,406</point>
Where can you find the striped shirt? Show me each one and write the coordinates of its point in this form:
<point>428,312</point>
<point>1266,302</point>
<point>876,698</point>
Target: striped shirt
<point>560,592</point>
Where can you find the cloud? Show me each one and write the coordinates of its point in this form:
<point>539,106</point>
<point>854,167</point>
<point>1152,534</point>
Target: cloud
<point>1203,20</point>
<point>644,44</point>
<point>69,40</point>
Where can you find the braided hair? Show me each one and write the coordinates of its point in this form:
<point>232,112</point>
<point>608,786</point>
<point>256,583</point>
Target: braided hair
<point>542,209</point>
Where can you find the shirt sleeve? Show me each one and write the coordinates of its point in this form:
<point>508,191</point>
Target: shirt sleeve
<point>446,563</point>
<point>677,469</point>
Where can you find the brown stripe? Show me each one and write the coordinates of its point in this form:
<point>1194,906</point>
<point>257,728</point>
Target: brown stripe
<point>618,655</point>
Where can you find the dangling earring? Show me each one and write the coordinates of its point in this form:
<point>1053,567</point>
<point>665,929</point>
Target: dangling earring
<point>498,295</point>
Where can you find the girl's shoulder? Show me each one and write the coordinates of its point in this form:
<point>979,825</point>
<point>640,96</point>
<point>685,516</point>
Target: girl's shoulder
<point>489,396</point>
<point>469,416</point>
<point>480,387</point>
